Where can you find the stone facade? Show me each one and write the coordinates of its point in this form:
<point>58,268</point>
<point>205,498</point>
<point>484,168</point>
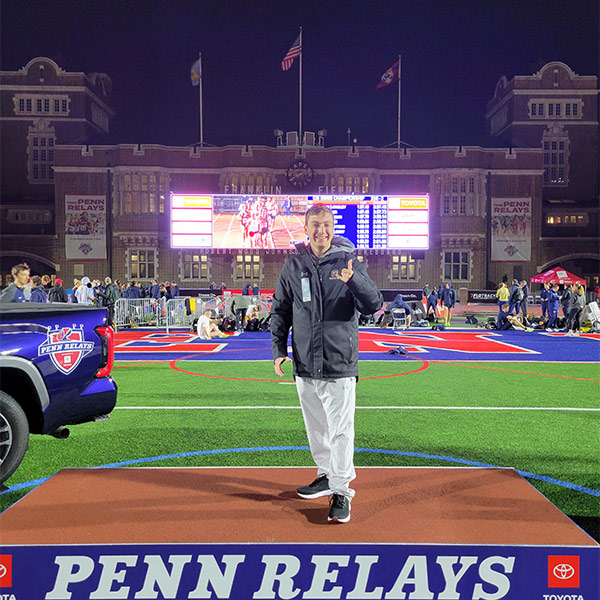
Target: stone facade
<point>136,181</point>
<point>552,108</point>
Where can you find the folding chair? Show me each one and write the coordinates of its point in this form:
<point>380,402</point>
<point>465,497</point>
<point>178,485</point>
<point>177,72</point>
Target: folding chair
<point>398,317</point>
<point>593,311</point>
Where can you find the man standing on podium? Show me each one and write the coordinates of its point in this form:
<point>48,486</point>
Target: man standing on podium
<point>320,291</point>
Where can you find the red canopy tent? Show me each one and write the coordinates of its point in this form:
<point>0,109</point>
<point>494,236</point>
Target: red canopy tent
<point>558,275</point>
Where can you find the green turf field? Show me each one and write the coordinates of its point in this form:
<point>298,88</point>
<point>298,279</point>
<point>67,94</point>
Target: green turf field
<point>435,412</point>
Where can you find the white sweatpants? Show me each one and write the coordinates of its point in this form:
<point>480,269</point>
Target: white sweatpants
<point>328,411</point>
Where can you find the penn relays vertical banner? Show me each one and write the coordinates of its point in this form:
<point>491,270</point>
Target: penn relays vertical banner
<point>511,229</point>
<point>85,227</point>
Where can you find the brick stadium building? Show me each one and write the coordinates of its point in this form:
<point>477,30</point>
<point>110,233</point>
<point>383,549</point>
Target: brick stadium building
<point>546,158</point>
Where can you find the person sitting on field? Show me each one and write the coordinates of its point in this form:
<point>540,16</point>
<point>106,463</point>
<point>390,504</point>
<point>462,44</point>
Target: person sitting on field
<point>253,319</point>
<point>399,303</point>
<point>206,328</point>
<point>507,321</point>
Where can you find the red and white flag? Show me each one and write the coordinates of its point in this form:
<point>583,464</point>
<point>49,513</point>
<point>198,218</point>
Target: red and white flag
<point>294,51</point>
<point>389,76</point>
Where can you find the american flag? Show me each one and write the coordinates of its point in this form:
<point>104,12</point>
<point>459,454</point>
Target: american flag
<point>294,51</point>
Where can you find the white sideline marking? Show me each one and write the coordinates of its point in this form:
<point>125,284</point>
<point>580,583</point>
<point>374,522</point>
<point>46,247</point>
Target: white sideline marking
<point>566,408</point>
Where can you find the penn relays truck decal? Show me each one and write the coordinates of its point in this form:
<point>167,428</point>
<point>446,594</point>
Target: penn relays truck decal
<point>66,346</point>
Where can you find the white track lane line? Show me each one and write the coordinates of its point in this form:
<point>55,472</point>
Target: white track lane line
<point>546,408</point>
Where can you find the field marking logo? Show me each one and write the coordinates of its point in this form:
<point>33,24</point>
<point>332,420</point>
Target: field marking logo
<point>563,571</point>
<point>465,342</point>
<point>5,570</point>
<point>66,346</point>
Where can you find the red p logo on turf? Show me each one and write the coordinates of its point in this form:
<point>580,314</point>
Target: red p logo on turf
<point>563,571</point>
<point>5,570</point>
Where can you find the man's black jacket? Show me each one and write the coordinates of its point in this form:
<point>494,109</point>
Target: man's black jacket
<point>324,315</point>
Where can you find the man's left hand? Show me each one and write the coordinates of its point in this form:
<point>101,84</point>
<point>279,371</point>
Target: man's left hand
<point>347,273</point>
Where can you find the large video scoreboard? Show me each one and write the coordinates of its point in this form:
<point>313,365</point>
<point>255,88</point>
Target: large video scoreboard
<point>277,221</point>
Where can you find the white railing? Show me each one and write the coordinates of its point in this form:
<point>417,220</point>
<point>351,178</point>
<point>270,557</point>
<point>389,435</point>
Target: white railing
<point>179,311</point>
<point>139,312</point>
<point>175,313</point>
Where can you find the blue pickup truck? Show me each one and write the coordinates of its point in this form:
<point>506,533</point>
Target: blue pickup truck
<point>55,363</point>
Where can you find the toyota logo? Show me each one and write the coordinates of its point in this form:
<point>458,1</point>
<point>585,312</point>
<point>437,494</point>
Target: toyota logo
<point>3,571</point>
<point>563,571</point>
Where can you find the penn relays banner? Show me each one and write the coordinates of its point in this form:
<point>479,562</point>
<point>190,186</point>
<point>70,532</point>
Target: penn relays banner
<point>318,571</point>
<point>511,229</point>
<point>85,227</point>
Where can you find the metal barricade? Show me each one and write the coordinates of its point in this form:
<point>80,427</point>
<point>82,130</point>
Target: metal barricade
<point>177,314</point>
<point>161,312</point>
<point>136,312</point>
<point>226,302</point>
<point>121,311</point>
<point>181,312</point>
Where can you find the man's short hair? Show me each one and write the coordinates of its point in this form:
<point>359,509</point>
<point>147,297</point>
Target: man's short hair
<point>19,268</point>
<point>318,209</point>
<point>107,280</point>
<point>36,280</point>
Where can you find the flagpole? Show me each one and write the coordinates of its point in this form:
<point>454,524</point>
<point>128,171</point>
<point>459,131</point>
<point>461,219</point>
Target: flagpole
<point>200,97</point>
<point>300,94</point>
<point>399,94</point>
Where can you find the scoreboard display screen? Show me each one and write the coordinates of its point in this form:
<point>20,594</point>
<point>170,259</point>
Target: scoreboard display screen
<point>277,221</point>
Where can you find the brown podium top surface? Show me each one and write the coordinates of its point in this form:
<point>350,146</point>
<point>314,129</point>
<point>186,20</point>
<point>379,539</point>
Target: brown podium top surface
<point>260,505</point>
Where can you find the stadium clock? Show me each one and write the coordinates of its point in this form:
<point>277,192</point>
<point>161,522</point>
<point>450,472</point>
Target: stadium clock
<point>300,173</point>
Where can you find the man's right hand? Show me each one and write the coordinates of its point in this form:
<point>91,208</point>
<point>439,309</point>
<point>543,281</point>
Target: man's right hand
<point>278,362</point>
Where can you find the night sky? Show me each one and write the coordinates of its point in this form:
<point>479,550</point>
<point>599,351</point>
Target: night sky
<point>453,53</point>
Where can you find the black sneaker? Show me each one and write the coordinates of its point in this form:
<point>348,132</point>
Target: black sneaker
<point>340,509</point>
<point>319,487</point>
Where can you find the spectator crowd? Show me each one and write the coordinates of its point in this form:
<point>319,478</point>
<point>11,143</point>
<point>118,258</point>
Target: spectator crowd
<point>438,302</point>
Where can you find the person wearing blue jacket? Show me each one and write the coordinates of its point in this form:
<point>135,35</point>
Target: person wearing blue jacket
<point>15,291</point>
<point>515,297</point>
<point>523,303</point>
<point>506,321</point>
<point>155,289</point>
<point>566,300</point>
<point>320,292</point>
<point>553,304</point>
<point>399,302</point>
<point>448,299</point>
<point>38,292</point>
<point>440,290</point>
<point>132,291</point>
<point>544,300</point>
<point>432,301</point>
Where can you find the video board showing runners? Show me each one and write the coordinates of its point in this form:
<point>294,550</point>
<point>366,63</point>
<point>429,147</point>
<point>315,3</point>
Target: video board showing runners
<point>277,221</point>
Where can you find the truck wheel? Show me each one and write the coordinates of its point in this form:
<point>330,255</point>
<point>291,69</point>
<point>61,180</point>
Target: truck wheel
<point>14,435</point>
